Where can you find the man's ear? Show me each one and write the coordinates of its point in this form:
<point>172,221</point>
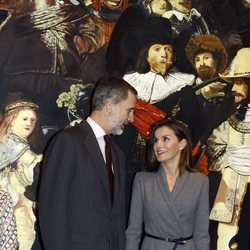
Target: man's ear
<point>109,106</point>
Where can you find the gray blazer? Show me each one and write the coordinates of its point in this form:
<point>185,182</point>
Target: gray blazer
<point>180,213</point>
<point>75,208</point>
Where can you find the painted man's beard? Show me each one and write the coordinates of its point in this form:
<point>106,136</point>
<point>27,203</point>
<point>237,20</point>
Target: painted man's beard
<point>240,98</point>
<point>206,72</point>
<point>161,68</point>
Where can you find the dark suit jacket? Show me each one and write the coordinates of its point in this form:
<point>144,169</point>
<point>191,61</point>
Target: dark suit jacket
<point>244,222</point>
<point>75,208</point>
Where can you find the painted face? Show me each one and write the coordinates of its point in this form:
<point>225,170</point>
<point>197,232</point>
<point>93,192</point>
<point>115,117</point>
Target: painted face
<point>113,4</point>
<point>160,58</point>
<point>240,90</point>
<point>122,113</point>
<point>246,3</point>
<point>167,146</point>
<point>158,7</point>
<point>24,123</point>
<point>183,6</point>
<point>205,65</point>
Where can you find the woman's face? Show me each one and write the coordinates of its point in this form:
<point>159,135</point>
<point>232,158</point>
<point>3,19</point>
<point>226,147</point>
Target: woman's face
<point>24,123</point>
<point>167,146</point>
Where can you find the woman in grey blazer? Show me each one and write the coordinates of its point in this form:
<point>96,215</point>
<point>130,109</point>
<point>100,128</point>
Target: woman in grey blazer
<point>169,207</point>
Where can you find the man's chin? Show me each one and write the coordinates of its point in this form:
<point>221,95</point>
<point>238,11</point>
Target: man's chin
<point>239,100</point>
<point>205,76</point>
<point>118,132</point>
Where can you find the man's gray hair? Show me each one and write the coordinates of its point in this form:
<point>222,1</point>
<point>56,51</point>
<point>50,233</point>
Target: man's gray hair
<point>110,88</point>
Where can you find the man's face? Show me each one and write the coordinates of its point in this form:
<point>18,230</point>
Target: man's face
<point>246,3</point>
<point>121,114</point>
<point>113,4</point>
<point>240,90</point>
<point>160,58</point>
<point>15,6</point>
<point>183,6</point>
<point>158,7</point>
<point>205,65</point>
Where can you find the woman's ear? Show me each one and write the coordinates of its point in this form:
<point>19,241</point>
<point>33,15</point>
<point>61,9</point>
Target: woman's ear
<point>182,144</point>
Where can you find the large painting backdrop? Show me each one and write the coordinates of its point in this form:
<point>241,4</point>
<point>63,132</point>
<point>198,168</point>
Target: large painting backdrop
<point>53,51</point>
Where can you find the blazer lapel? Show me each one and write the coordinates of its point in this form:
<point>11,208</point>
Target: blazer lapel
<point>179,184</point>
<point>163,186</point>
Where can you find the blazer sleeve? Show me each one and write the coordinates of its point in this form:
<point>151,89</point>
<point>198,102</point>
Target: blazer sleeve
<point>56,180</point>
<point>201,224</point>
<point>134,230</point>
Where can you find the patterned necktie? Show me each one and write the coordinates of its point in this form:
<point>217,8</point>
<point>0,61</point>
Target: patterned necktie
<point>109,162</point>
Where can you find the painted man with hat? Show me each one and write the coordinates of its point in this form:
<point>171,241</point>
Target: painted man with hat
<point>154,76</point>
<point>142,50</point>
<point>208,56</point>
<point>184,17</point>
<point>229,146</point>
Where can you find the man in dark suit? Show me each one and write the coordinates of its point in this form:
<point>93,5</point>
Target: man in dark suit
<point>79,207</point>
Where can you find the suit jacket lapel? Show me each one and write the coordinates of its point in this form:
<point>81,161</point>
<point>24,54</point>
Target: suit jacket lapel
<point>92,146</point>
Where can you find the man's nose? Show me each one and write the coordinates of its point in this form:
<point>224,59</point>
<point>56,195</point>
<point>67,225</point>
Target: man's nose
<point>234,88</point>
<point>131,116</point>
<point>202,62</point>
<point>163,53</point>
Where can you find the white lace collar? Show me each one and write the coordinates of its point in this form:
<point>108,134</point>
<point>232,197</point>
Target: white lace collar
<point>180,16</point>
<point>152,87</point>
<point>247,116</point>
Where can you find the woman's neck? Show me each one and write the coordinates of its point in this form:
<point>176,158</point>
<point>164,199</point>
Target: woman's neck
<point>171,174</point>
<point>171,171</point>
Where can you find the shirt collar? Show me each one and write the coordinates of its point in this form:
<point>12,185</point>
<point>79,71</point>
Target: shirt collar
<point>97,129</point>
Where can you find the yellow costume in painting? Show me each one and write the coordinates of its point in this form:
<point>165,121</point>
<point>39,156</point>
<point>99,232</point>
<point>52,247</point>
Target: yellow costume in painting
<point>229,146</point>
<point>17,174</point>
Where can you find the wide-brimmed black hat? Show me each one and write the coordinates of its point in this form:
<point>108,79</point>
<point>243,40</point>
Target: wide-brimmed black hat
<point>134,31</point>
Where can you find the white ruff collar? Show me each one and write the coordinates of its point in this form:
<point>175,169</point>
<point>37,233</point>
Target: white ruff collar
<point>152,87</point>
<point>180,16</point>
<point>247,116</point>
